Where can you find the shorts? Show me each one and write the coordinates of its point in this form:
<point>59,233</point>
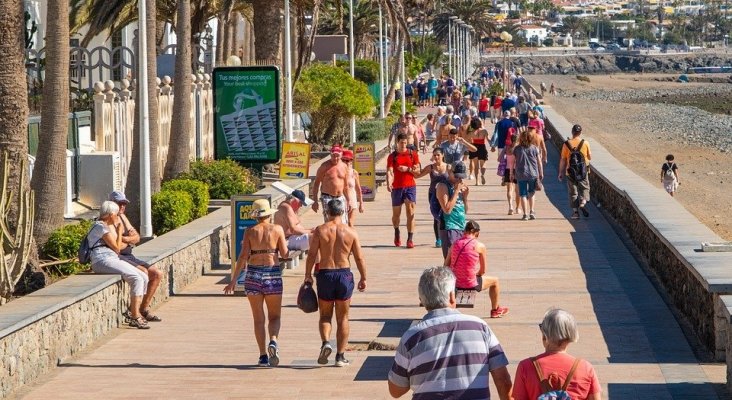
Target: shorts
<point>129,258</point>
<point>481,153</point>
<point>477,287</point>
<point>262,279</point>
<point>527,188</point>
<point>524,118</point>
<point>507,177</point>
<point>335,284</point>
<point>483,114</point>
<point>448,237</point>
<point>412,147</point>
<point>298,242</point>
<point>400,195</point>
<point>325,198</point>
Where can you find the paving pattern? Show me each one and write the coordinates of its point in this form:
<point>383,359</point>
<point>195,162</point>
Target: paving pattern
<point>205,347</point>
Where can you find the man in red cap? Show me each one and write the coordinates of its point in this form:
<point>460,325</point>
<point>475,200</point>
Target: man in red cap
<point>332,182</point>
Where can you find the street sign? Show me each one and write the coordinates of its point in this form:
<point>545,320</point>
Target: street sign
<point>295,163</point>
<point>364,164</point>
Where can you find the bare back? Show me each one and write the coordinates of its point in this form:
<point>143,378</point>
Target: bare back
<point>335,242</point>
<point>261,237</point>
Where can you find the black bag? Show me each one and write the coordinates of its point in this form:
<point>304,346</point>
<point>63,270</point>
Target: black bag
<point>577,168</point>
<point>306,298</point>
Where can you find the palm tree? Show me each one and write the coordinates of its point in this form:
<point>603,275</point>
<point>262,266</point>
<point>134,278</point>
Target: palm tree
<point>50,166</point>
<point>268,30</point>
<point>472,12</point>
<point>180,131</point>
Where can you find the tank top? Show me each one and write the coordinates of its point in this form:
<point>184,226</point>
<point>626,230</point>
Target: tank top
<point>464,262</point>
<point>455,220</point>
<point>437,177</point>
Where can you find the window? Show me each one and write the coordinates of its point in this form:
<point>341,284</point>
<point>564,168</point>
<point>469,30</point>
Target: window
<point>76,62</point>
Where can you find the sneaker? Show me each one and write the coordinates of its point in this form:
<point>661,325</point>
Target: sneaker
<point>397,242</point>
<point>525,218</point>
<point>341,361</point>
<point>410,244</point>
<point>325,351</point>
<point>575,215</point>
<point>274,354</point>
<point>263,361</point>
<point>532,215</point>
<point>585,212</point>
<point>499,312</point>
<point>438,243</point>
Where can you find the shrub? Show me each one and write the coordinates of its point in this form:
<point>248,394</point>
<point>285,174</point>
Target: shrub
<point>171,209</point>
<point>366,71</point>
<point>371,130</point>
<point>198,191</point>
<point>224,178</point>
<point>63,244</point>
<point>396,107</point>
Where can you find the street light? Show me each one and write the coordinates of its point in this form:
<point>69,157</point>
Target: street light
<point>506,37</point>
<point>381,66</point>
<point>450,44</point>
<point>458,23</point>
<point>288,74</point>
<point>145,189</point>
<point>352,58</point>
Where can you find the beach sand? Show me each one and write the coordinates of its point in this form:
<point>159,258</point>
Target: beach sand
<point>623,128</point>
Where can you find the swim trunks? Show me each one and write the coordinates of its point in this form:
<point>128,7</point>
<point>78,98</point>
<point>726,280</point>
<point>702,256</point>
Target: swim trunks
<point>263,279</point>
<point>335,284</point>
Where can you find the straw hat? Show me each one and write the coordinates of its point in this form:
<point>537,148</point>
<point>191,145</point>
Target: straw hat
<point>262,209</point>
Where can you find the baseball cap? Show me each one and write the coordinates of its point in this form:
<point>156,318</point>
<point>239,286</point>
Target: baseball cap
<point>459,170</point>
<point>118,197</point>
<point>299,194</point>
<point>336,149</point>
<point>576,128</point>
<point>347,155</point>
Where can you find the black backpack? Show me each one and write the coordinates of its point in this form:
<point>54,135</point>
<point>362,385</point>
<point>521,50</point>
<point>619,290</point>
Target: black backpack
<point>84,252</point>
<point>577,167</point>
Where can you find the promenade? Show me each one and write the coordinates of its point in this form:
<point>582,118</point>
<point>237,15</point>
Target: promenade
<point>204,348</point>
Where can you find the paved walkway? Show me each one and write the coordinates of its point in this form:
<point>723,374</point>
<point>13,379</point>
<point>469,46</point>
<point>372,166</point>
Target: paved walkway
<point>205,349</point>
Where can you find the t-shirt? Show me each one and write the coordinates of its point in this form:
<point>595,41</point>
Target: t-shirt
<point>584,381</point>
<point>483,105</point>
<point>574,142</point>
<point>538,124</point>
<point>527,162</point>
<point>507,104</point>
<point>409,159</point>
<point>665,167</point>
<point>502,128</point>
<point>99,249</point>
<point>523,108</point>
<point>425,356</point>
<point>497,103</point>
<point>453,151</point>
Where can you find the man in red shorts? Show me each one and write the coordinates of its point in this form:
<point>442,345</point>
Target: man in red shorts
<point>402,165</point>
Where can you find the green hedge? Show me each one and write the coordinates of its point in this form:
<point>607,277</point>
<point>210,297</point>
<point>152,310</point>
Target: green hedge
<point>371,130</point>
<point>198,191</point>
<point>63,244</point>
<point>224,178</point>
<point>171,209</point>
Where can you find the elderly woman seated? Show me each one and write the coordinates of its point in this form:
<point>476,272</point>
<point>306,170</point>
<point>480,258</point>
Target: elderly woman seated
<point>105,242</point>
<point>554,369</point>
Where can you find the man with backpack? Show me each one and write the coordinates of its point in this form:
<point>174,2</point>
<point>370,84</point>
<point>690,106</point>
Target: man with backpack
<point>575,164</point>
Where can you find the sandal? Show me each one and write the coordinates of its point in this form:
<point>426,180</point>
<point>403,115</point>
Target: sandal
<point>139,323</point>
<point>149,317</point>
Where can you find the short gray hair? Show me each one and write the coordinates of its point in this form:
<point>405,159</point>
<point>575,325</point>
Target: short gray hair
<point>559,326</point>
<point>450,109</point>
<point>108,208</point>
<point>335,207</point>
<point>435,286</point>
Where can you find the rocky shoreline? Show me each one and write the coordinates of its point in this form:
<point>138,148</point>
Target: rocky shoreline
<point>603,63</point>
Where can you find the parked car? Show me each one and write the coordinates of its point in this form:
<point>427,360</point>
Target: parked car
<point>612,47</point>
<point>599,49</point>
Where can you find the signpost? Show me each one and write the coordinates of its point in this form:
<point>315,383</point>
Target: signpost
<point>247,113</point>
<point>364,163</point>
<point>241,219</point>
<point>295,163</point>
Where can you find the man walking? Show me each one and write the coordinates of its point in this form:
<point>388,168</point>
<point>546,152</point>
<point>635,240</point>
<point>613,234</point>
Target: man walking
<point>334,242</point>
<point>436,365</point>
<point>333,177</point>
<point>402,165</point>
<point>575,163</point>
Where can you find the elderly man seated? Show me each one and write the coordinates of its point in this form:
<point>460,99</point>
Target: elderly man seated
<point>298,237</point>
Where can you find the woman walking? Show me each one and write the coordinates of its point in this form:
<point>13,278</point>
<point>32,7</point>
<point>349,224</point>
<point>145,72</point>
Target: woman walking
<point>438,172</point>
<point>529,170</point>
<point>354,188</point>
<point>479,157</point>
<point>509,176</point>
<point>259,258</point>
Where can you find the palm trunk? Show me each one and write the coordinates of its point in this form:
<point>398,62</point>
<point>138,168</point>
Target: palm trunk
<point>268,30</point>
<point>50,167</point>
<point>220,39</point>
<point>132,188</point>
<point>235,44</point>
<point>180,132</point>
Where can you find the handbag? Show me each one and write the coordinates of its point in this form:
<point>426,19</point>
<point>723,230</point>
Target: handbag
<point>306,298</point>
<point>502,164</point>
<point>539,186</point>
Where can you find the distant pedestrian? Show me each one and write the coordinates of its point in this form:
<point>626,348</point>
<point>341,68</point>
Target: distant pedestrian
<point>670,175</point>
<point>543,88</point>
<point>575,164</point>
<point>355,196</point>
<point>436,365</point>
<point>553,90</point>
<point>528,173</point>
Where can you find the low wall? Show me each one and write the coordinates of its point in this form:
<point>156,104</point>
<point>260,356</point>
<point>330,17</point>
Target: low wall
<point>667,236</point>
<point>43,328</point>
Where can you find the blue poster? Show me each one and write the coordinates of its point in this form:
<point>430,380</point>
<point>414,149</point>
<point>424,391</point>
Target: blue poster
<point>241,219</point>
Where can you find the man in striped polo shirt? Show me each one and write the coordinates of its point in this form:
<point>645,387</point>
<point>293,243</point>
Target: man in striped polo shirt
<point>448,355</point>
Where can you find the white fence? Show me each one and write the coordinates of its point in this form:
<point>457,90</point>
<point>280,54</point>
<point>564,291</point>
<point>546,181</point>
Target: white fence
<point>114,116</point>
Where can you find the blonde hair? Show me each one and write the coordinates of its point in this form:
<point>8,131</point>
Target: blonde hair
<point>524,138</point>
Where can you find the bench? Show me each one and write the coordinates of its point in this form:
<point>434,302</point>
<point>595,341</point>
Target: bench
<point>380,177</point>
<point>294,259</point>
<point>465,298</point>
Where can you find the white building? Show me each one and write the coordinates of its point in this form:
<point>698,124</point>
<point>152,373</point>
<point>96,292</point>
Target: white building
<point>533,33</point>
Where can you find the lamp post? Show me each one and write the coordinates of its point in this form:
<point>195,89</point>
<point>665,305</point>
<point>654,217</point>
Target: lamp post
<point>381,66</point>
<point>144,114</point>
<point>288,74</point>
<point>458,49</point>
<point>352,59</point>
<point>404,75</point>
<point>506,37</point>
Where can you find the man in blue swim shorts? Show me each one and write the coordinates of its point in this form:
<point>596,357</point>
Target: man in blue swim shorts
<point>334,242</point>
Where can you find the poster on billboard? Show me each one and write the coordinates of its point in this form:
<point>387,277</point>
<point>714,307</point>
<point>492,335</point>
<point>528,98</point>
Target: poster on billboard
<point>295,163</point>
<point>247,113</point>
<point>364,163</point>
<point>241,219</point>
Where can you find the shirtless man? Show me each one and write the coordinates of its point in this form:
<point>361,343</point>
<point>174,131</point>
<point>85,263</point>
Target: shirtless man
<point>333,177</point>
<point>334,242</point>
<point>446,123</point>
<point>407,127</point>
<point>298,237</point>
